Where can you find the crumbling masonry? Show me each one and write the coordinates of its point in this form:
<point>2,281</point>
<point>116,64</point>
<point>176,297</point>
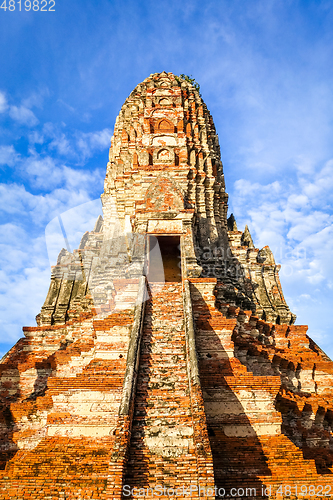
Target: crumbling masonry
<point>165,355</point>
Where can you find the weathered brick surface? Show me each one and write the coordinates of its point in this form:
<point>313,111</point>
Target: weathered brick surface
<point>63,421</point>
<point>272,426</point>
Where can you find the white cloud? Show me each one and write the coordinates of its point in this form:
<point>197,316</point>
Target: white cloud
<point>59,142</point>
<point>89,142</point>
<point>295,219</point>
<point>24,279</point>
<point>100,139</point>
<point>88,179</point>
<point>25,267</point>
<point>36,99</point>
<point>36,138</point>
<point>8,155</point>
<point>79,145</point>
<point>62,145</point>
<point>3,102</point>
<point>23,115</point>
<point>46,173</point>
<point>67,188</point>
<point>14,199</point>
<point>75,221</point>
<point>66,105</point>
<point>43,172</point>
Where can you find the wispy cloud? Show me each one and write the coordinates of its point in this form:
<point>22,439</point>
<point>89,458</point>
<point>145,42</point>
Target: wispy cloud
<point>294,217</point>
<point>23,279</point>
<point>8,155</point>
<point>36,99</point>
<point>23,115</point>
<point>3,102</point>
<point>75,144</point>
<point>89,142</point>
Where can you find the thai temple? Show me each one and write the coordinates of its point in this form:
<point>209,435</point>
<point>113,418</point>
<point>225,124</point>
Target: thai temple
<point>166,362</point>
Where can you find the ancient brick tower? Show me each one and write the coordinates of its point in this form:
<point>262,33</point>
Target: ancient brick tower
<point>201,386</point>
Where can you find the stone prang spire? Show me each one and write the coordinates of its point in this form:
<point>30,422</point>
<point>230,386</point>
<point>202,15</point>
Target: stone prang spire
<point>165,176</point>
<point>166,362</point>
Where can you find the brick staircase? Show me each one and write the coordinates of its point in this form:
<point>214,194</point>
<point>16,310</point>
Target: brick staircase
<point>162,449</point>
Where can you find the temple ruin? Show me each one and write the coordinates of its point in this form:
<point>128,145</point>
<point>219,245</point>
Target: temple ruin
<point>166,362</point>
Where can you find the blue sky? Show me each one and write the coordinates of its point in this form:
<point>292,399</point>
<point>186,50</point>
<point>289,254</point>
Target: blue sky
<point>265,70</point>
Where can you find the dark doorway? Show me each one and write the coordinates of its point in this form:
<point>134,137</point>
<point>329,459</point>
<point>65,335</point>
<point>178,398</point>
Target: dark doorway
<point>168,256</point>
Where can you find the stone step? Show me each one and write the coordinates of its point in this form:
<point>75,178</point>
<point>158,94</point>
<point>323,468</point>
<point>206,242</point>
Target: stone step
<point>162,448</point>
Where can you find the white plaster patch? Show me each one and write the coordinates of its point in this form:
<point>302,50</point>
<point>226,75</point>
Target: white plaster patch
<point>80,430</point>
<point>164,140</point>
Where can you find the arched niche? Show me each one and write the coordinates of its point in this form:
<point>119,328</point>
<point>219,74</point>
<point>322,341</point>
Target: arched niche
<point>165,125</point>
<point>164,102</point>
<point>164,154</point>
<point>164,83</point>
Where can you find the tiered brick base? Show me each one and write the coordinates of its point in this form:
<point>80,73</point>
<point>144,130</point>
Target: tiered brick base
<point>65,438</point>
